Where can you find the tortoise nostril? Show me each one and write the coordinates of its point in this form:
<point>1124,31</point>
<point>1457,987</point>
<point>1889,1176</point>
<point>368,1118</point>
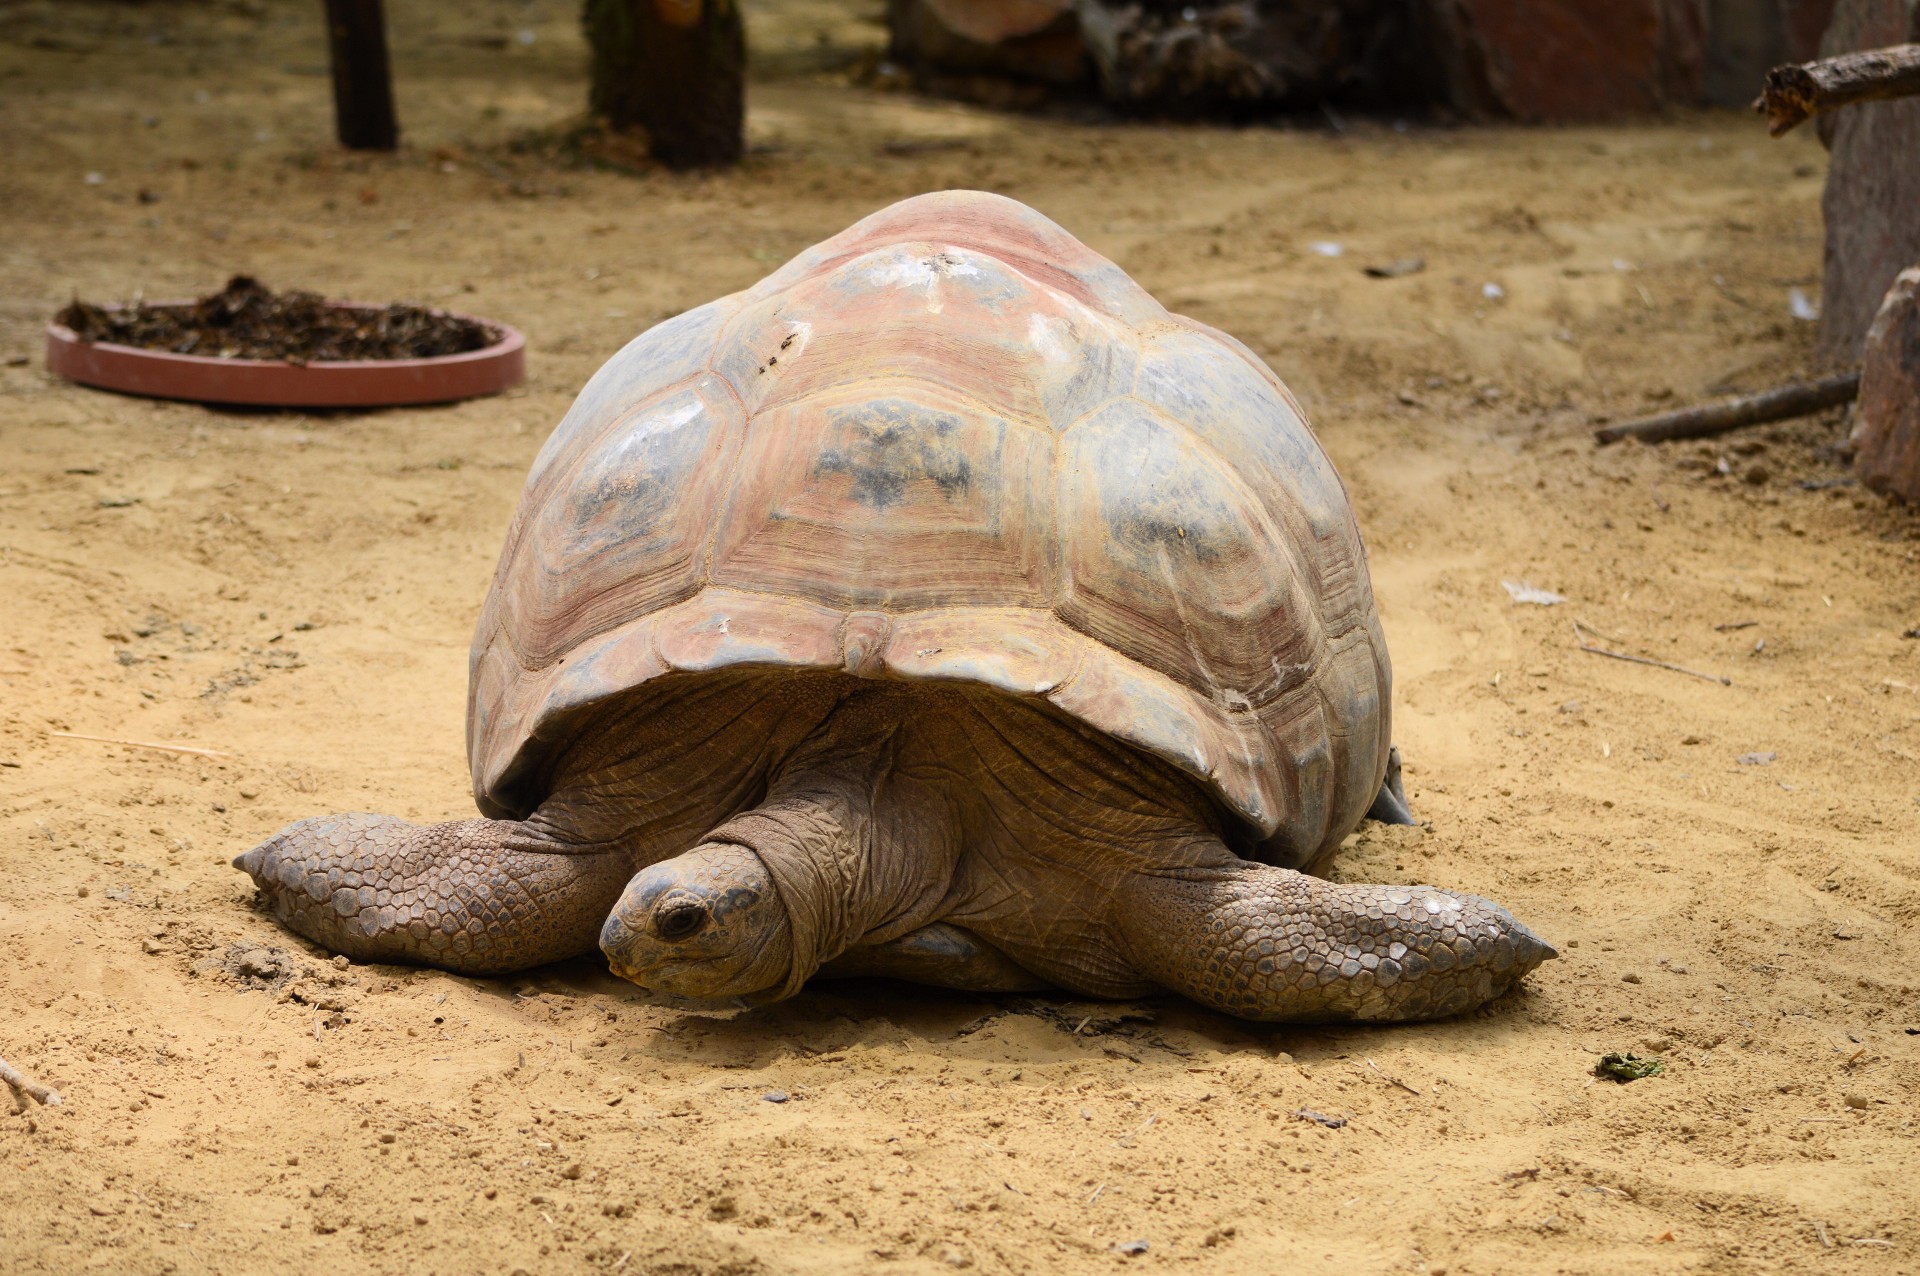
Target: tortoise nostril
<point>682,921</point>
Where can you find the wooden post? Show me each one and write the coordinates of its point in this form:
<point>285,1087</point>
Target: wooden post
<point>676,68</point>
<point>362,80</point>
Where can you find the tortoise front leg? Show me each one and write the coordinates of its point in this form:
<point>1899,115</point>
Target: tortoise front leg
<point>479,897</point>
<point>1271,944</point>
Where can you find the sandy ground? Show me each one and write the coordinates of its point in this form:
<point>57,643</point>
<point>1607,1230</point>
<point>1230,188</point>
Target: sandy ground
<point>296,591</point>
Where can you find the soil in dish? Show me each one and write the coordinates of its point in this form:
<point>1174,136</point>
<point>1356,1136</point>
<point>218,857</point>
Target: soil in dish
<point>248,320</point>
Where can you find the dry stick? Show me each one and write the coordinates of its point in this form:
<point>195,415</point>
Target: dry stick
<point>143,744</point>
<point>1801,90</point>
<point>1395,1081</point>
<point>25,1087</point>
<point>1584,645</point>
<point>1749,409</point>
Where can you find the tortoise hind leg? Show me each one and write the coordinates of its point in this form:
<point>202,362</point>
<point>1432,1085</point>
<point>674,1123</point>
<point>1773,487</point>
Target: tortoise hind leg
<point>479,897</point>
<point>1391,807</point>
<point>941,954</point>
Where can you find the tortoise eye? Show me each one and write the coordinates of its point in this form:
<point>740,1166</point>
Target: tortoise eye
<point>682,921</point>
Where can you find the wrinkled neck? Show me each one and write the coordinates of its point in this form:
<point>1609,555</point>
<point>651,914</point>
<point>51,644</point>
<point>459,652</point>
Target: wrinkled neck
<point>861,844</point>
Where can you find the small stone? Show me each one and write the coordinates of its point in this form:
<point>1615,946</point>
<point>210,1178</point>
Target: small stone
<point>341,963</point>
<point>1757,475</point>
<point>958,1258</point>
<point>1131,1248</point>
<point>775,1096</point>
<point>249,792</point>
<point>313,1061</point>
<point>419,1219</point>
<point>1629,978</point>
<point>1858,1102</point>
<point>1571,706</point>
<point>84,892</point>
<point>573,1171</point>
<point>387,1138</point>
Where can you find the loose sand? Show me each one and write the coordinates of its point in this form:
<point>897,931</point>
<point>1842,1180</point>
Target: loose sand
<point>296,591</point>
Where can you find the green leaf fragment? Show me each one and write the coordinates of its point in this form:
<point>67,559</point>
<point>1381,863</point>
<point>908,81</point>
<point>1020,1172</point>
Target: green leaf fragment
<point>1628,1067</point>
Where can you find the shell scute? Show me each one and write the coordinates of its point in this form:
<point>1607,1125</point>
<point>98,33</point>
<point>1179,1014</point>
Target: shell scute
<point>1173,559</point>
<point>895,495</point>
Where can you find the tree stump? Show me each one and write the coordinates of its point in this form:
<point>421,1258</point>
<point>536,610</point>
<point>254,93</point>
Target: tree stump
<point>1886,429</point>
<point>362,79</point>
<point>1873,183</point>
<point>675,68</point>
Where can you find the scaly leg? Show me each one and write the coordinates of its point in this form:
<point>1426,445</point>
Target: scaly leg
<point>1271,944</point>
<point>479,897</point>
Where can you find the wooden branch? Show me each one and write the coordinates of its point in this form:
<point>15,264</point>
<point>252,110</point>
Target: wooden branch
<point>25,1087</point>
<point>1750,409</point>
<point>1800,91</point>
<point>188,749</point>
<point>1722,679</point>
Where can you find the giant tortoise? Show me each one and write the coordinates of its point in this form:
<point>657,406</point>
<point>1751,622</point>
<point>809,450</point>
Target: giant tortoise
<point>940,607</point>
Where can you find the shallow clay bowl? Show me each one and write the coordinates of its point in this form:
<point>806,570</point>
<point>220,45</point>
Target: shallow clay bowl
<point>370,383</point>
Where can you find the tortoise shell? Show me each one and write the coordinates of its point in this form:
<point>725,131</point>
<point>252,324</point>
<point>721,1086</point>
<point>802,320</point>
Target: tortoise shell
<point>952,442</point>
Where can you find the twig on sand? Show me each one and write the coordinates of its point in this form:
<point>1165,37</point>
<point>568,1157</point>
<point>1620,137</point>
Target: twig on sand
<point>189,749</point>
<point>1584,645</point>
<point>25,1087</point>
<point>1751,409</point>
<point>1393,1081</point>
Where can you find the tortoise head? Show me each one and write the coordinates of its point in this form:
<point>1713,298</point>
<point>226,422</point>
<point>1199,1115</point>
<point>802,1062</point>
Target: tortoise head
<point>705,925</point>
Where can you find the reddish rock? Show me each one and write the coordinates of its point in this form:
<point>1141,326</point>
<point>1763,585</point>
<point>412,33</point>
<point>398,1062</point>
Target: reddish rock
<point>1747,38</point>
<point>1542,60</point>
<point>1872,200</point>
<point>1886,429</point>
<point>1035,40</point>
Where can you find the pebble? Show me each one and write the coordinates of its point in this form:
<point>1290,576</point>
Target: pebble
<point>573,1171</point>
<point>248,792</point>
<point>1757,475</point>
<point>775,1096</point>
<point>1630,978</point>
<point>341,963</point>
<point>419,1218</point>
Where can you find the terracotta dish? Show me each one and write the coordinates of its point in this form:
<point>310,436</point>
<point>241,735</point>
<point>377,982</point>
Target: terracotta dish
<point>162,374</point>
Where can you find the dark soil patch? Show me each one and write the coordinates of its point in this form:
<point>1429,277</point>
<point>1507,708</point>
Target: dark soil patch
<point>248,320</point>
